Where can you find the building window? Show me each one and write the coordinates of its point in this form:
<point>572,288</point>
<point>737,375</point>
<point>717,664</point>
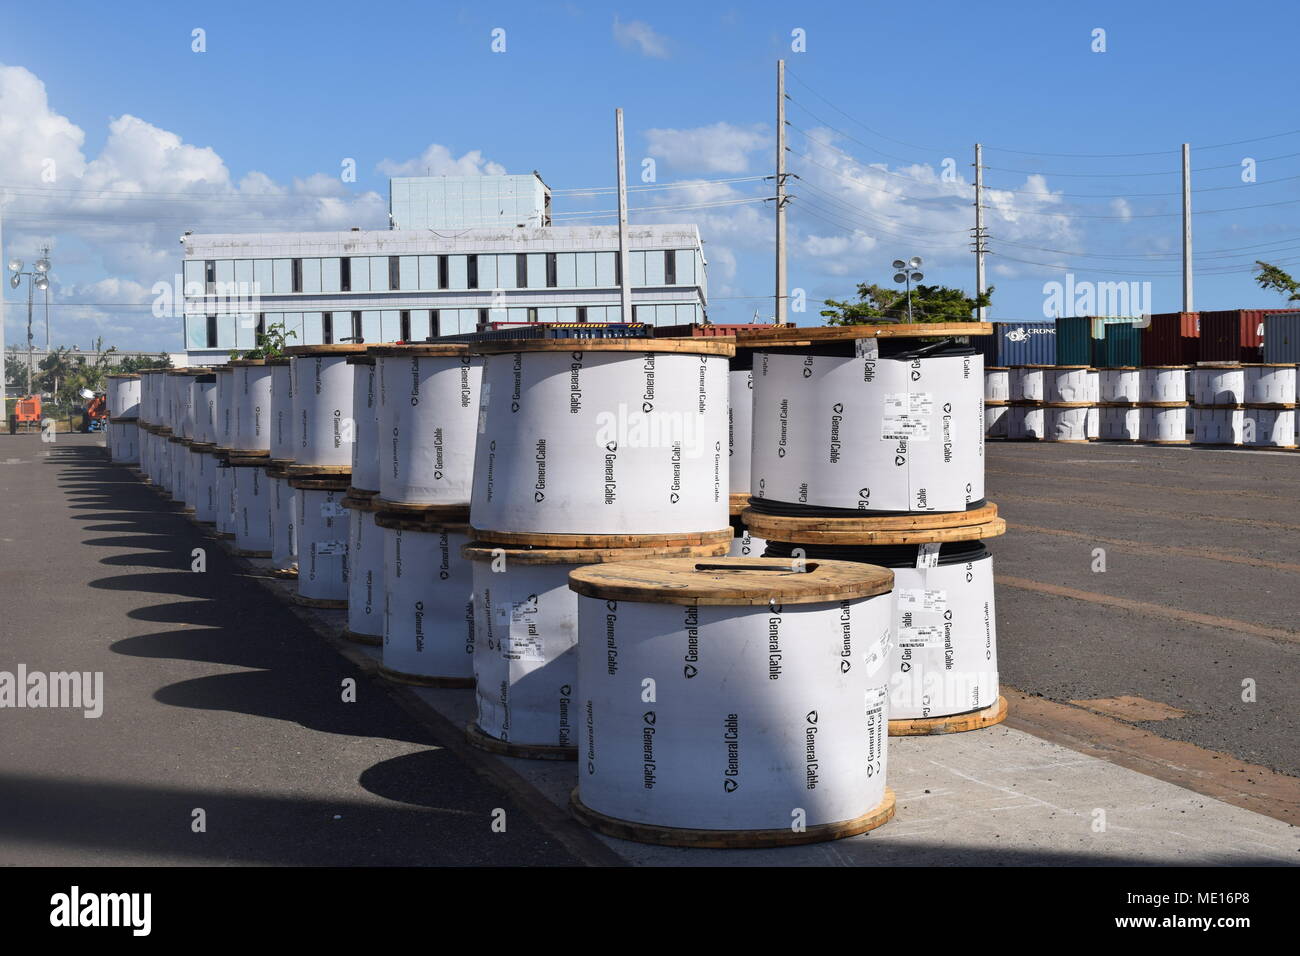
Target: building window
<point>435,322</point>
<point>471,272</point>
<point>444,272</point>
<point>618,269</point>
<point>404,326</point>
<point>482,319</point>
<point>552,271</point>
<point>261,323</point>
<point>345,274</point>
<point>670,267</point>
<point>210,276</point>
<point>521,270</point>
<point>357,335</point>
<point>327,328</point>
<point>297,275</point>
<point>212,329</point>
<point>582,313</point>
<point>532,315</point>
<point>394,273</point>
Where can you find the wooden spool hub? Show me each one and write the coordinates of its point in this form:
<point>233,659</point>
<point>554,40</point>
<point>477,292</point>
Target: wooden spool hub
<point>739,501</point>
<point>882,813</point>
<point>402,521</point>
<point>602,541</point>
<point>433,513</point>
<point>318,483</point>
<point>732,642</point>
<point>371,640</point>
<point>796,337</point>
<point>917,528</point>
<point>955,724</point>
<point>354,492</point>
<point>303,471</point>
<point>422,680</point>
<point>328,603</point>
<point>353,503</point>
<point>525,751</point>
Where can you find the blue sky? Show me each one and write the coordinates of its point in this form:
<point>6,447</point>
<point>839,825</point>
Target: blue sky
<point>250,135</point>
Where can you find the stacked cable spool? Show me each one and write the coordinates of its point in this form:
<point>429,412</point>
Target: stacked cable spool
<point>148,423</point>
<point>869,446</point>
<point>179,386</point>
<point>740,428</point>
<point>319,474</point>
<point>223,475</point>
<point>716,702</point>
<point>590,452</point>
<point>1118,391</point>
<point>1219,401</point>
<point>249,456</point>
<point>428,400</point>
<point>1069,402</point>
<point>283,497</point>
<point>365,538</point>
<point>1162,404</point>
<point>123,401</point>
<point>997,401</point>
<point>201,470</point>
<point>1270,407</point>
<point>1026,416</point>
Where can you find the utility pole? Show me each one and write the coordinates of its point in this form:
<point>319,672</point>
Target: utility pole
<point>4,380</point>
<point>45,254</point>
<point>980,248</point>
<point>780,194</point>
<point>30,293</point>
<point>1187,228</point>
<point>624,289</point>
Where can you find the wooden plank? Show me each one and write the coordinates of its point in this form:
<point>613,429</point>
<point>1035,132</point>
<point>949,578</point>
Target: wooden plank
<point>760,527</point>
<point>713,345</point>
<point>477,551</point>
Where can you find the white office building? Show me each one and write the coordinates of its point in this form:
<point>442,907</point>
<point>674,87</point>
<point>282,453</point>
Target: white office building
<point>408,284</point>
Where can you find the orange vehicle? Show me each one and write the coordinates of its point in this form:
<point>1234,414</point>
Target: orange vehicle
<point>96,415</point>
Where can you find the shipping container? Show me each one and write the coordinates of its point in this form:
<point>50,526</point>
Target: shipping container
<point>1121,347</point>
<point>1074,341</point>
<point>1023,343</point>
<point>1172,338</point>
<point>691,330</point>
<point>1282,337</point>
<point>1235,335</point>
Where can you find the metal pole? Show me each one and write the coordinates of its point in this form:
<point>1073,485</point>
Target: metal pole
<point>1187,229</point>
<point>908,273</point>
<point>4,379</point>
<point>781,293</point>
<point>979,228</point>
<point>29,335</point>
<point>624,289</point>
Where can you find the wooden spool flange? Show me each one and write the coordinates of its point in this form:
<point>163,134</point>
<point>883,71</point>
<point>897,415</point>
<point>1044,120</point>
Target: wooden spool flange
<point>422,680</point>
<point>955,724</point>
<point>489,743</point>
<point>682,539</point>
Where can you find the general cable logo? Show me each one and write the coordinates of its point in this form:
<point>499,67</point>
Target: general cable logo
<point>810,751</point>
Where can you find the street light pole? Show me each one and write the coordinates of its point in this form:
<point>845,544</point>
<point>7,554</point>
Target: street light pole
<point>907,272</point>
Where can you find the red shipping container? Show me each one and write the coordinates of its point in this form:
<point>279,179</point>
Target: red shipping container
<point>1172,338</point>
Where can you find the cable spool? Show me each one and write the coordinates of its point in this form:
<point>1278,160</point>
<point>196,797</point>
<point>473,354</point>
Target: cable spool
<point>997,384</point>
<point>1270,385</point>
<point>997,417</point>
<point>224,486</point>
<point>1269,426</point>
<point>182,406</point>
<point>123,398</point>
<point>178,455</point>
<point>1218,425</point>
<point>150,396</point>
<point>226,421</point>
<point>1162,383</point>
<point>1066,422</point>
<point>203,467</point>
<point>203,396</point>
<point>322,540</point>
<point>428,601</point>
<point>1219,385</point>
<point>1026,422</point>
<point>1027,383</point>
<point>1119,422</point>
<point>760,674</point>
<point>365,412</point>
<point>252,404</point>
<point>322,408</point>
<point>899,427</point>
<point>572,453</point>
<point>252,506</point>
<point>365,567</point>
<point>525,648</point>
<point>743,542</point>
<point>1067,385</point>
<point>123,443</point>
<point>282,446</point>
<point>1093,424</point>
<point>740,422</point>
<point>1163,423</point>
<point>1119,385</point>
<point>284,522</point>
<point>428,413</point>
<point>943,663</point>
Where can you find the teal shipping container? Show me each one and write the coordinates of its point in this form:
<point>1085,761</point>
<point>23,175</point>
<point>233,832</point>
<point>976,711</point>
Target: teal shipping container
<point>1074,341</point>
<point>1121,347</point>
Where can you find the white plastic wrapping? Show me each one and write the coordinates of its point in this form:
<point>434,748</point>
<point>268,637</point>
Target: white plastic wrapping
<point>123,442</point>
<point>1217,385</point>
<point>252,407</point>
<point>868,434</point>
<point>365,571</point>
<point>282,423</point>
<point>1120,385</point>
<point>123,396</point>
<point>365,411</point>
<point>252,509</point>
<point>1119,424</point>
<point>322,544</point>
<point>226,421</point>
<point>1219,426</point>
<point>1026,422</point>
<point>428,604</point>
<point>740,430</point>
<point>1269,427</point>
<point>1026,384</point>
<point>1066,424</point>
<point>997,385</point>
<point>996,418</point>
<point>1163,424</point>
<point>322,410</point>
<point>1162,385</point>
<point>1067,385</point>
<point>284,523</point>
<point>1270,384</point>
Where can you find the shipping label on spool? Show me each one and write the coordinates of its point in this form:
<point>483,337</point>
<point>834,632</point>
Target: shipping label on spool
<point>755,715</point>
<point>816,419</point>
<point>945,659</point>
<point>580,448</point>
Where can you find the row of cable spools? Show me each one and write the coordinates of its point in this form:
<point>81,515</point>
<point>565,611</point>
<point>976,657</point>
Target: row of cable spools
<point>549,521</point>
<point>1220,405</point>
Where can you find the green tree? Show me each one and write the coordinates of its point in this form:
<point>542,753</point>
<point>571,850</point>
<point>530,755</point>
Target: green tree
<point>930,303</point>
<point>1273,279</point>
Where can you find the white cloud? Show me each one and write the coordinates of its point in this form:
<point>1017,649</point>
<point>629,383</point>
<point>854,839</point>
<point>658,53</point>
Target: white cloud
<point>640,36</point>
<point>438,161</point>
<point>719,148</point>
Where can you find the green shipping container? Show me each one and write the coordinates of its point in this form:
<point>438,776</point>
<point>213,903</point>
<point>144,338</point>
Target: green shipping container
<point>1122,346</point>
<point>1074,341</point>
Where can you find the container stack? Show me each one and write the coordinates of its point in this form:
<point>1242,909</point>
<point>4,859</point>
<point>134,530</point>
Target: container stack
<point>319,474</point>
<point>818,403</point>
<point>597,453</point>
<point>123,418</point>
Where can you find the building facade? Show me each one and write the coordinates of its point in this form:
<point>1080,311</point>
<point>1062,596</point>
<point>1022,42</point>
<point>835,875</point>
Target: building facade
<point>409,284</point>
<point>468,202</point>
